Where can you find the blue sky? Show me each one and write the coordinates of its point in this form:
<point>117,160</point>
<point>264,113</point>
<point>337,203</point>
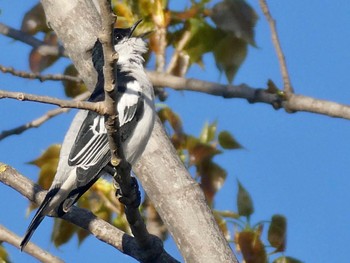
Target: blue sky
<point>293,164</point>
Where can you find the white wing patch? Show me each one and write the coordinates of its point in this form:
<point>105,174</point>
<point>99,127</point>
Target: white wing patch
<point>95,148</point>
<point>127,104</point>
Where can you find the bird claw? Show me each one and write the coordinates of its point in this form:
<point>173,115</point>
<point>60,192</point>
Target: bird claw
<point>134,196</point>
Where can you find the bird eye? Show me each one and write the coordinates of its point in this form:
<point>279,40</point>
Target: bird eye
<point>118,37</point>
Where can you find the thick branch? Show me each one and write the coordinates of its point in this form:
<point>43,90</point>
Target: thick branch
<point>275,39</point>
<point>32,249</point>
<point>102,230</point>
<point>180,202</point>
<point>32,41</point>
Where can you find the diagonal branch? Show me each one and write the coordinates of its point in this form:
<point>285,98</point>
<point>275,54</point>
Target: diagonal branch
<point>275,39</point>
<point>32,249</point>
<point>83,218</point>
<point>32,41</point>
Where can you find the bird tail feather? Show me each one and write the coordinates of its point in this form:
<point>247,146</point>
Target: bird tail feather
<point>39,216</point>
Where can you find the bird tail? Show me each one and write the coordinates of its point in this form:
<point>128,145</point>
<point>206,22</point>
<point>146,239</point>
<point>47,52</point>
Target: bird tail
<point>39,216</point>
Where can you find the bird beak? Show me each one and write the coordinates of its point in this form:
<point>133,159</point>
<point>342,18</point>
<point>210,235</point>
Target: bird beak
<point>132,29</point>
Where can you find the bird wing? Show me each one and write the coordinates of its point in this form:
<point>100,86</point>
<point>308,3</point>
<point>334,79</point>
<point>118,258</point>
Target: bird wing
<point>130,108</point>
<point>90,152</point>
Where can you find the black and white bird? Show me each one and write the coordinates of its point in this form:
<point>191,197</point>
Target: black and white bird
<point>89,155</point>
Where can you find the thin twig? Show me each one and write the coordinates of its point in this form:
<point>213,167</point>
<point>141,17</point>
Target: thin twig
<point>39,121</point>
<point>30,75</point>
<point>32,41</point>
<point>110,59</point>
<point>275,39</point>
<point>32,249</point>
<point>84,105</point>
<point>177,53</point>
<point>160,34</point>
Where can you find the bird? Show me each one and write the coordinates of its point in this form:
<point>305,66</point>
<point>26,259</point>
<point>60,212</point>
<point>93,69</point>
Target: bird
<point>89,156</point>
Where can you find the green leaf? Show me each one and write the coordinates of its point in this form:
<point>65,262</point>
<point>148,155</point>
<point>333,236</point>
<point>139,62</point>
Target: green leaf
<point>198,151</point>
<point>72,88</point>
<point>212,178</point>
<point>244,202</point>
<point>228,214</point>
<point>34,21</point>
<point>38,61</point>
<point>203,39</point>
<point>278,232</point>
<point>222,225</point>
<point>251,246</point>
<point>82,235</point>
<point>208,132</point>
<point>227,141</point>
<point>229,54</point>
<point>62,232</point>
<point>4,257</point>
<point>285,259</point>
<point>166,114</point>
<point>236,17</point>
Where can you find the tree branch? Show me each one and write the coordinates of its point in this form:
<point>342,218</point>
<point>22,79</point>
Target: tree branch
<point>102,230</point>
<point>275,39</point>
<point>85,105</point>
<point>251,94</point>
<point>43,48</point>
<point>308,104</point>
<point>32,249</point>
<point>110,82</point>
<point>30,75</point>
<point>39,121</point>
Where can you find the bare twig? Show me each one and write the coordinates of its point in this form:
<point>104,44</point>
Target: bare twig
<point>110,58</point>
<point>39,121</point>
<point>30,75</point>
<point>160,35</point>
<point>177,53</point>
<point>295,103</point>
<point>84,105</point>
<point>308,104</point>
<point>32,41</point>
<point>275,39</point>
<point>243,91</point>
<point>32,249</point>
<point>83,218</point>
